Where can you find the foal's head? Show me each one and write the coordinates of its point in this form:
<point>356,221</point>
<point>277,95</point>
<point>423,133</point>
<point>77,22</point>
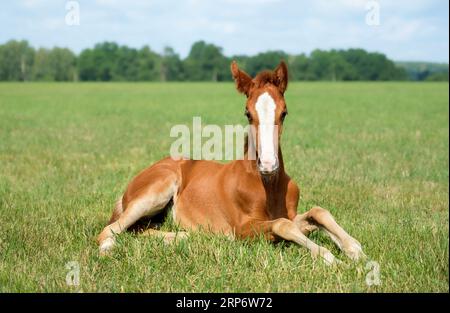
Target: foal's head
<point>265,110</point>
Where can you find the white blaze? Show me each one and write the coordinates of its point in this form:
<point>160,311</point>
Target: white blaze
<point>265,107</point>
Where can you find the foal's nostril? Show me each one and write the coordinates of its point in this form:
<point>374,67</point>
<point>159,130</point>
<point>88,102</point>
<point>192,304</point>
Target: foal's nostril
<point>268,166</point>
<point>275,166</point>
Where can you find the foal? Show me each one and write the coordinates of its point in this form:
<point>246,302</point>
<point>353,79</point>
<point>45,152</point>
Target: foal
<point>243,198</point>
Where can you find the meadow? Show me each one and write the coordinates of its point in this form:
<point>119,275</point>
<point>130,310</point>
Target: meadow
<point>374,154</point>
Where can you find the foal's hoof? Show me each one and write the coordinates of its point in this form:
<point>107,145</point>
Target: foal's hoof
<point>353,250</point>
<point>106,246</point>
<point>328,257</point>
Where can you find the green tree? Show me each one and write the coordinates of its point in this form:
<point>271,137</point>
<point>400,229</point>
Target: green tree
<point>299,67</point>
<point>264,61</point>
<point>373,66</point>
<point>206,62</point>
<point>108,61</point>
<point>99,63</point>
<point>438,77</point>
<point>171,67</point>
<point>126,65</point>
<point>58,64</point>
<point>330,65</point>
<point>148,65</point>
<point>16,61</point>
<point>41,65</point>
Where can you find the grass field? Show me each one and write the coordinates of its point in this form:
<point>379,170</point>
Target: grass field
<point>374,154</point>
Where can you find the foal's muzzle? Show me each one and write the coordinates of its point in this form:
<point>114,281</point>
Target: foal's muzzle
<point>268,167</point>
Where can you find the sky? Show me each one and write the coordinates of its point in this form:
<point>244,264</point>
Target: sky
<point>405,30</point>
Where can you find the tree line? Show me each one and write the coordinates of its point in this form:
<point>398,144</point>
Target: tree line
<point>109,61</point>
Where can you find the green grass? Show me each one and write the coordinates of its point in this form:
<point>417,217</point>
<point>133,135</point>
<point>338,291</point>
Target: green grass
<point>374,154</point>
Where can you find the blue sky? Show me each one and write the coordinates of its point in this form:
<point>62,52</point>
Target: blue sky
<point>408,29</point>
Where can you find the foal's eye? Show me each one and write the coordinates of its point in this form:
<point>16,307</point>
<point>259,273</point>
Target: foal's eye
<point>283,115</point>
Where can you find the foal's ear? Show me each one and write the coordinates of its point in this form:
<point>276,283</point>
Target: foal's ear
<point>242,79</point>
<point>281,77</point>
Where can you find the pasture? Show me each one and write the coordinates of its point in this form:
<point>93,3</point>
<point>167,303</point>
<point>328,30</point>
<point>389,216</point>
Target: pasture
<point>374,154</point>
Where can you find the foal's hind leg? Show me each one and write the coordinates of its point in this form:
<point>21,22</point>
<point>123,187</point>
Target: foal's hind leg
<point>168,237</point>
<point>318,217</point>
<point>288,230</point>
<point>150,203</point>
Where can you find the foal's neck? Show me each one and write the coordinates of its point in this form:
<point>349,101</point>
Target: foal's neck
<point>273,186</point>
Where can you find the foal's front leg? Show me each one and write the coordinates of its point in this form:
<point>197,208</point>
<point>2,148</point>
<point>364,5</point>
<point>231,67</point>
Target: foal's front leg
<point>318,217</point>
<point>288,230</point>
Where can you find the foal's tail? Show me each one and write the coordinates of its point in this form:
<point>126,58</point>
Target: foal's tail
<point>118,209</point>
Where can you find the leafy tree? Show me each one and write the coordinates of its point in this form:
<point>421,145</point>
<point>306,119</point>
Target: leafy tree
<point>108,61</point>
<point>331,65</point>
<point>264,61</point>
<point>147,62</point>
<point>57,64</point>
<point>171,67</point>
<point>438,77</point>
<point>41,66</point>
<point>299,67</point>
<point>98,63</point>
<point>125,67</point>
<point>373,66</point>
<point>16,61</point>
<point>206,62</point>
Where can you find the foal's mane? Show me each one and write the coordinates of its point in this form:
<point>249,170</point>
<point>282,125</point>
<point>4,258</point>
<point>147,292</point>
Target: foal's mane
<point>264,78</point>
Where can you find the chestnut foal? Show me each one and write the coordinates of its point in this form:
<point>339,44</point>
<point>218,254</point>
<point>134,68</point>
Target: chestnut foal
<point>243,198</point>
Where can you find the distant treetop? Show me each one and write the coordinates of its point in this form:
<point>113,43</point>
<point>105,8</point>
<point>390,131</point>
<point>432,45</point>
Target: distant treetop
<point>109,61</point>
